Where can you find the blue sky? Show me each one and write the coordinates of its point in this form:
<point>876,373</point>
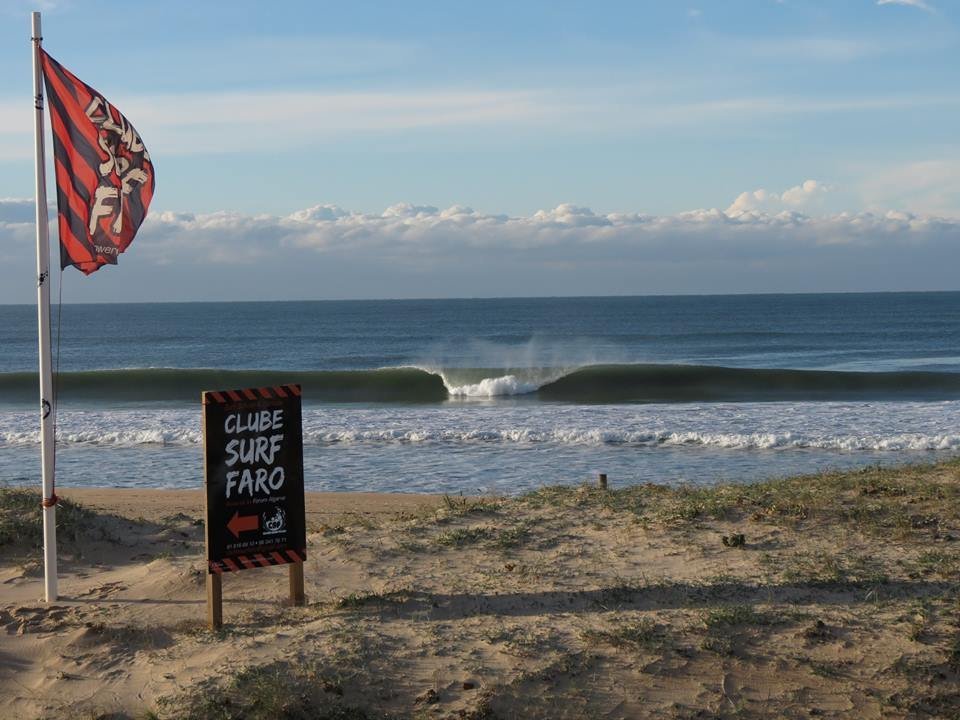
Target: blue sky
<point>648,113</point>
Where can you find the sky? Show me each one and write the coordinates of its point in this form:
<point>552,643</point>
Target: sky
<point>461,149</point>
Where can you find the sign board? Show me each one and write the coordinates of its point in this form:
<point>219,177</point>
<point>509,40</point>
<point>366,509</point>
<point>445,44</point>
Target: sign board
<point>253,473</point>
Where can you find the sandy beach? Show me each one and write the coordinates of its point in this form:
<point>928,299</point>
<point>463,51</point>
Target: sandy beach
<point>832,595</point>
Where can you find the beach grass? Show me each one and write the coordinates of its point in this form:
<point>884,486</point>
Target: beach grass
<point>21,519</point>
<point>267,692</point>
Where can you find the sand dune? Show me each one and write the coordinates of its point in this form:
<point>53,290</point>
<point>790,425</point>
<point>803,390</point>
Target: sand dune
<point>568,603</point>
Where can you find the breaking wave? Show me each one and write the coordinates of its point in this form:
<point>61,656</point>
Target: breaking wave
<point>591,384</point>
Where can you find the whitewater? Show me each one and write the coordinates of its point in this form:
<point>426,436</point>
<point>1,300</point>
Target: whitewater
<point>493,448</point>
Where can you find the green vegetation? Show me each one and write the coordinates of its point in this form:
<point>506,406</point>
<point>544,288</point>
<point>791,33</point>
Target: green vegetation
<point>643,633</point>
<point>733,615</point>
<point>553,603</point>
<point>900,501</point>
<point>458,537</point>
<point>21,519</point>
<point>366,599</point>
<point>455,506</point>
<point>512,536</point>
<point>266,692</point>
<point>939,562</point>
<point>729,625</point>
<point>818,568</point>
<point>520,641</point>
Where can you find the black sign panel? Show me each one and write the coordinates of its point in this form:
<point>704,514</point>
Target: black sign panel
<point>253,469</point>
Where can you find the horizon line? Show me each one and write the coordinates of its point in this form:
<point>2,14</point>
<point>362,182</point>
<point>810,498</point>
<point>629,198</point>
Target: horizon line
<point>504,297</point>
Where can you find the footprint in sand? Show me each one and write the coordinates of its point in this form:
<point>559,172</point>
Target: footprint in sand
<point>24,620</point>
<point>101,592</point>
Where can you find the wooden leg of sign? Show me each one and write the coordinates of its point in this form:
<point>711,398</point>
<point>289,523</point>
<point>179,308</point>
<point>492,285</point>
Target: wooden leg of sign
<point>214,601</point>
<point>296,584</point>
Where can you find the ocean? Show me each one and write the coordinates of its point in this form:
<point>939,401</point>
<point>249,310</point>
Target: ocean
<point>499,395</point>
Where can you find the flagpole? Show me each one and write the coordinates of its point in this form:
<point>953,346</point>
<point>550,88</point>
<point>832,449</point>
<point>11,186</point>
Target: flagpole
<point>43,323</point>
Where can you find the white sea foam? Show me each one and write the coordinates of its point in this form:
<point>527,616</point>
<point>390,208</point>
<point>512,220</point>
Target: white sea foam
<point>119,438</point>
<point>518,436</point>
<point>491,387</point>
<point>729,441</point>
<point>501,447</point>
<point>461,384</point>
<point>846,427</point>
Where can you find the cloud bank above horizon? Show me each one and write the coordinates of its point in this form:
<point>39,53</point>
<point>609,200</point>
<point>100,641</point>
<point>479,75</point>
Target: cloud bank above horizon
<point>920,4</point>
<point>763,242</point>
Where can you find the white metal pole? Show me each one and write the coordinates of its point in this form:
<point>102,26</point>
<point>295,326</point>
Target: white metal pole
<point>43,324</point>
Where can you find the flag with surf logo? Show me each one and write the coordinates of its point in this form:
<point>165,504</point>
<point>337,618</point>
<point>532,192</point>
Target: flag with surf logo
<point>105,179</point>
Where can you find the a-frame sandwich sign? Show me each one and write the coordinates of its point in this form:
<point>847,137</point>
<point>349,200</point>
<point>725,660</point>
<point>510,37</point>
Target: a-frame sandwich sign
<point>253,475</point>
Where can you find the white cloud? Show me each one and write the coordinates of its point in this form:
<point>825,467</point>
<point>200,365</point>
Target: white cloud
<point>236,122</point>
<point>431,237</point>
<point>927,186</point>
<point>813,48</point>
<point>228,122</point>
<point>800,196</point>
<point>803,194</point>
<point>16,210</point>
<point>792,48</point>
<point>17,233</point>
<point>908,3</point>
<point>20,8</point>
<point>190,123</point>
<point>420,250</point>
<point>332,111</point>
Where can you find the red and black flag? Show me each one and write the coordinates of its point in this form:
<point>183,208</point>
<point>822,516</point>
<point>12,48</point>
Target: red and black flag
<point>104,175</point>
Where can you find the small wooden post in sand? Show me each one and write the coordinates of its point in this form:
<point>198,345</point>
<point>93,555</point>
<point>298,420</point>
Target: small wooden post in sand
<point>602,481</point>
<point>297,596</point>
<point>215,601</point>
